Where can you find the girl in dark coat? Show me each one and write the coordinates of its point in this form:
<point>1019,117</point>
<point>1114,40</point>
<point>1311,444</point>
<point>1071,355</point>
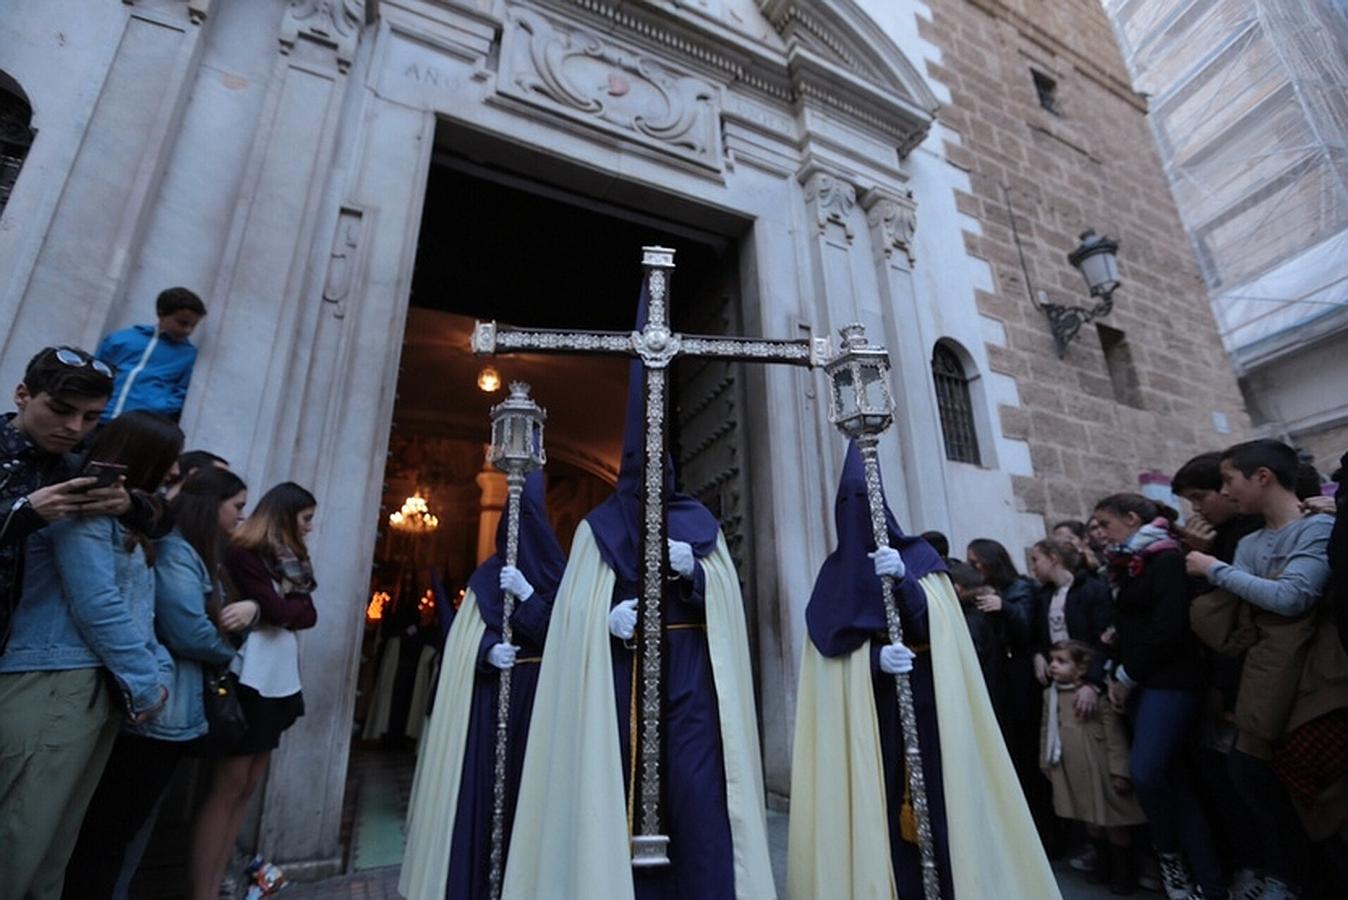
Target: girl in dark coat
<point>1158,677</point>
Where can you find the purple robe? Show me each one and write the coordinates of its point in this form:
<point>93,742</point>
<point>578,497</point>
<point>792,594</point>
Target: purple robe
<point>542,562</point>
<point>846,611</point>
<point>693,800</point>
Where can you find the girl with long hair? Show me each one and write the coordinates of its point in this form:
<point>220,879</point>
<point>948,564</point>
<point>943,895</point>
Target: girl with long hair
<point>85,623</point>
<point>267,562</point>
<point>187,597</point>
<point>1158,677</point>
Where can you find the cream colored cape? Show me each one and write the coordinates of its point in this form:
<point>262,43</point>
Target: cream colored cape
<point>381,704</point>
<point>839,836</point>
<point>435,786</point>
<point>570,839</point>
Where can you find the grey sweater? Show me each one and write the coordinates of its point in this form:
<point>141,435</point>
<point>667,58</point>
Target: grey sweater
<point>1284,571</point>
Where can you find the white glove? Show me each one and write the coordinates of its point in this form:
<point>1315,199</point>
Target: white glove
<point>681,558</point>
<point>888,562</point>
<point>896,659</point>
<point>502,656</point>
<point>513,580</point>
<point>622,620</point>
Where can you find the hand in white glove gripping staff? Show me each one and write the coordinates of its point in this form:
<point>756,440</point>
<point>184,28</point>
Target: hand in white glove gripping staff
<point>513,580</point>
<point>896,659</point>
<point>622,620</point>
<point>681,558</point>
<point>888,562</point>
<point>502,656</point>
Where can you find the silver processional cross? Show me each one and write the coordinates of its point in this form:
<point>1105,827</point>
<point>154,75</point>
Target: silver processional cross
<point>656,346</point>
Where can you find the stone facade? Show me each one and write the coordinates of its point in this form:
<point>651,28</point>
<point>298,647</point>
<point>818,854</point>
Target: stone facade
<point>1090,164</point>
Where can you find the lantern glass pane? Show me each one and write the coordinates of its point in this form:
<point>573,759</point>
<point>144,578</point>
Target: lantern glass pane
<point>1099,269</point>
<point>536,445</point>
<point>519,437</point>
<point>497,436</point>
<point>844,393</point>
<point>876,399</point>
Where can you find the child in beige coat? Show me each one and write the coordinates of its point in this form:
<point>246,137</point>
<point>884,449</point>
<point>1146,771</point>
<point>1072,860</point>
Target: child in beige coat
<point>1086,760</point>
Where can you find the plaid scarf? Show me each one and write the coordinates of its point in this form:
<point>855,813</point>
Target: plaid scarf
<point>297,575</point>
<point>1127,560</point>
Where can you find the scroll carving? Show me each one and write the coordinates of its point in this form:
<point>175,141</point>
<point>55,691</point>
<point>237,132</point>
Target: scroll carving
<point>585,77</point>
<point>893,222</point>
<point>330,23</point>
<point>342,261</point>
<point>832,199</point>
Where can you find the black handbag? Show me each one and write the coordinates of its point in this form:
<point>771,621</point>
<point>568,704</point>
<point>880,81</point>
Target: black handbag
<point>225,720</point>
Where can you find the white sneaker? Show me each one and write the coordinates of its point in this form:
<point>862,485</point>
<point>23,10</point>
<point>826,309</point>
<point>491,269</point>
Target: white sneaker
<point>1085,861</point>
<point>1247,885</point>
<point>1276,889</point>
<point>1175,881</point>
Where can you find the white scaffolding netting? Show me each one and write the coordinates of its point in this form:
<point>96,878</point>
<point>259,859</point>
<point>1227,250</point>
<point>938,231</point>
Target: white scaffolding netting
<point>1249,104</point>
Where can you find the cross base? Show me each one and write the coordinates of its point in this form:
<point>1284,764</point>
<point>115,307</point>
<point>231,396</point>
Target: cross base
<point>650,850</point>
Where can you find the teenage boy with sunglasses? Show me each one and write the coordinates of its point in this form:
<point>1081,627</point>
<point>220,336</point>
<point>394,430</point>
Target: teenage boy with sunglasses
<point>58,404</point>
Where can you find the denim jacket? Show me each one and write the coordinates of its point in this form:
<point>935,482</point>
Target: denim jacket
<point>181,588</point>
<point>89,602</point>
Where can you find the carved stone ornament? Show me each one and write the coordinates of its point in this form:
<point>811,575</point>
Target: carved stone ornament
<point>330,23</point>
<point>832,200</point>
<point>578,74</point>
<point>196,10</point>
<point>893,222</point>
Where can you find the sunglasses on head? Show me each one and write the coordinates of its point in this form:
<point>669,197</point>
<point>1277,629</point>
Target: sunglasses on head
<point>68,356</point>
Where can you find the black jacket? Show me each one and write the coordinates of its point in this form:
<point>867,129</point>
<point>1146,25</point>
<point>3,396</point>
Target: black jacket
<point>1152,639</point>
<point>1089,611</point>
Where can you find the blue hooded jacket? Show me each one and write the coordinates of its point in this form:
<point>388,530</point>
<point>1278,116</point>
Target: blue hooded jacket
<point>152,371</point>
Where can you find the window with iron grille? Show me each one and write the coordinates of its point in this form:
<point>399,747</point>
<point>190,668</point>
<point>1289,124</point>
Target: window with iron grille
<point>957,410</point>
<point>15,138</point>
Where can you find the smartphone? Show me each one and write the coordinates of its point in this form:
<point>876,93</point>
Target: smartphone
<point>107,473</point>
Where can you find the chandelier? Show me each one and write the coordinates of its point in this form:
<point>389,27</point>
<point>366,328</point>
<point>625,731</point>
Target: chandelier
<point>415,516</point>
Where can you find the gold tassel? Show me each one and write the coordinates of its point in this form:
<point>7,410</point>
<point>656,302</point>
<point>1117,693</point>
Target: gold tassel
<point>907,818</point>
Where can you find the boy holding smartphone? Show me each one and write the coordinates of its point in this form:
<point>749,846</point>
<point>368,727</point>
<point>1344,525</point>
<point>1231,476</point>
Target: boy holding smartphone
<point>58,404</point>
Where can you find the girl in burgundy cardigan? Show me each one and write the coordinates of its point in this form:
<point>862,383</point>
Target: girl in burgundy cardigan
<point>267,562</point>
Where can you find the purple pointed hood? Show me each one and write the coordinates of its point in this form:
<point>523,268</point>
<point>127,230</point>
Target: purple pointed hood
<point>540,555</point>
<point>616,523</point>
<point>847,605</point>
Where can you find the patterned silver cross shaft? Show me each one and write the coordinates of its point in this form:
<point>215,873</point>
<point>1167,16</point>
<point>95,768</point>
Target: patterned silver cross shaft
<point>867,444</point>
<point>514,488</point>
<point>656,346</point>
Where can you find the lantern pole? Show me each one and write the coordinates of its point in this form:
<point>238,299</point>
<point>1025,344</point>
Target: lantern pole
<point>864,422</point>
<point>516,459</point>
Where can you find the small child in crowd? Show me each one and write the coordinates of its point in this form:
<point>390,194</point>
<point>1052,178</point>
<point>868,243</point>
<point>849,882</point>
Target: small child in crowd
<point>153,363</point>
<point>1086,759</point>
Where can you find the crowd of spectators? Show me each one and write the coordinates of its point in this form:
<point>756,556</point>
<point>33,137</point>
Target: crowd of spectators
<point>1173,691</point>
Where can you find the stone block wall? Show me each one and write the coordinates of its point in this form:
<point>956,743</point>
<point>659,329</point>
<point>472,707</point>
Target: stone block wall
<point>1165,390</point>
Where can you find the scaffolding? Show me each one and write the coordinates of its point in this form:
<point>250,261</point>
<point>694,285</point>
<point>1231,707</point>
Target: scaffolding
<point>1249,105</point>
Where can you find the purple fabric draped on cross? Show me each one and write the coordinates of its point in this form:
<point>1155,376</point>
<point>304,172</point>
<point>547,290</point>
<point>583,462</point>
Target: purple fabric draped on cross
<point>847,607</point>
<point>616,523</point>
<point>541,559</point>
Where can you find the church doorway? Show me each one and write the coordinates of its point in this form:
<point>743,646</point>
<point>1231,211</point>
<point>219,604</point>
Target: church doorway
<point>510,238</point>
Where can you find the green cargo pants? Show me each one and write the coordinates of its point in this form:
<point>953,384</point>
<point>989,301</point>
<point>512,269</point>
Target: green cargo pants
<point>56,730</point>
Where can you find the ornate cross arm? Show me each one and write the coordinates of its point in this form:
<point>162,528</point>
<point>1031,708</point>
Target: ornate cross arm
<point>656,347</point>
